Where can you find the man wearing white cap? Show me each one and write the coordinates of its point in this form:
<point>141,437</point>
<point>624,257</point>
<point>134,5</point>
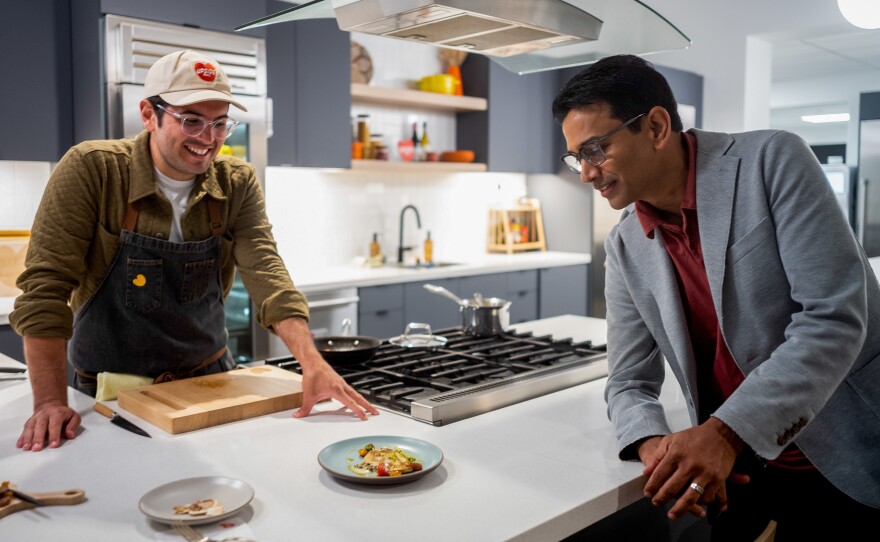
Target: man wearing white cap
<point>134,248</point>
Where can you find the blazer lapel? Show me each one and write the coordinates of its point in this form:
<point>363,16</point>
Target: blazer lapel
<point>656,269</point>
<point>716,186</point>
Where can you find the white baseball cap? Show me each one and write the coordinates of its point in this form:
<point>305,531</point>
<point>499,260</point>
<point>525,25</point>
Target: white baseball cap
<point>188,77</point>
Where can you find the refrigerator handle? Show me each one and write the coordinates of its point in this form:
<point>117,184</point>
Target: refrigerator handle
<point>862,210</point>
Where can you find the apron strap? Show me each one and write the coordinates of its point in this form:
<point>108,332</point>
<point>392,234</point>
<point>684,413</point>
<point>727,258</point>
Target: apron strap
<point>129,221</point>
<point>168,376</point>
<point>214,213</point>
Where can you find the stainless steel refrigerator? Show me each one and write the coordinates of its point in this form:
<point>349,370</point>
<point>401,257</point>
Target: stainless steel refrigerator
<point>868,188</point>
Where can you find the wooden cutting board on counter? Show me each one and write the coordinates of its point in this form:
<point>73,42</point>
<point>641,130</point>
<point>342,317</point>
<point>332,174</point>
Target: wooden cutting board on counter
<point>205,401</point>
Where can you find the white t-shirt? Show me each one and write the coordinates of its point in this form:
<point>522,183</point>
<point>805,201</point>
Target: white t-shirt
<point>177,193</point>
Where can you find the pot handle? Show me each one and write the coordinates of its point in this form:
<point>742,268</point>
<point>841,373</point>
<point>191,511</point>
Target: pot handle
<point>439,290</point>
<point>346,327</point>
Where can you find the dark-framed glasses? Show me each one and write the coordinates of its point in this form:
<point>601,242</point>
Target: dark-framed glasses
<point>591,150</point>
<point>194,125</point>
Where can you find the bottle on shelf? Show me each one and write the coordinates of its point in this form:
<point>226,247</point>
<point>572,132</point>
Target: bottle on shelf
<point>429,249</point>
<point>417,152</point>
<point>363,136</point>
<point>425,142</point>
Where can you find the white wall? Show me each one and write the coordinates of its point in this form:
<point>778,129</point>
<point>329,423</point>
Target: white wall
<point>21,188</point>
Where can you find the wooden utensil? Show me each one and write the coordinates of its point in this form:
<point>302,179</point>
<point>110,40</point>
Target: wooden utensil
<point>206,401</point>
<point>50,498</point>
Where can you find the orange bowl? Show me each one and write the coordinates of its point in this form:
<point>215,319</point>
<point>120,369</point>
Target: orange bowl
<point>457,156</point>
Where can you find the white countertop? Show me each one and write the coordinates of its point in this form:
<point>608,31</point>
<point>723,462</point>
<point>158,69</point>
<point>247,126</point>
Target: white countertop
<point>875,264</point>
<point>538,470</point>
<point>336,277</point>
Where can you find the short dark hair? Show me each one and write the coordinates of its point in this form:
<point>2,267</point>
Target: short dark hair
<point>156,101</point>
<point>627,83</point>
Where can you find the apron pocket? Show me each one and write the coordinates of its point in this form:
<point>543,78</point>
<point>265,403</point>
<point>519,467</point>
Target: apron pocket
<point>143,289</point>
<point>196,278</point>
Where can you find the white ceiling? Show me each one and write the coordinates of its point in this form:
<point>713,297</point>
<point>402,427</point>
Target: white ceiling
<point>843,52</point>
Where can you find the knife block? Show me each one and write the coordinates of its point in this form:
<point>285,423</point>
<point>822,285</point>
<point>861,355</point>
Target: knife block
<point>516,229</point>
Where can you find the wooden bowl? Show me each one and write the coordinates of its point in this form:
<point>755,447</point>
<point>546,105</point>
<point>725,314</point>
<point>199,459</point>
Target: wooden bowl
<point>457,156</point>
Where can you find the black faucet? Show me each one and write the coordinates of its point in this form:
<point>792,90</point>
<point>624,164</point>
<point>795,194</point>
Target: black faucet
<point>400,248</point>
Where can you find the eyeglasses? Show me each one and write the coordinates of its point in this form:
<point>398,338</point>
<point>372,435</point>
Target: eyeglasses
<point>591,150</point>
<point>193,125</point>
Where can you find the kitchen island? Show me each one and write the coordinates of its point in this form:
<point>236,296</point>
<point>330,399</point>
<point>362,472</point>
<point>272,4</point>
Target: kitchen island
<point>539,470</point>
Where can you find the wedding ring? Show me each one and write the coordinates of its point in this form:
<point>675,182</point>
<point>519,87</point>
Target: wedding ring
<point>697,487</point>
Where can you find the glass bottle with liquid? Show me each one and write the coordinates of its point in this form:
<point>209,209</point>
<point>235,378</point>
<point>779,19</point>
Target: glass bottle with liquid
<point>429,249</point>
<point>425,142</point>
<point>375,249</point>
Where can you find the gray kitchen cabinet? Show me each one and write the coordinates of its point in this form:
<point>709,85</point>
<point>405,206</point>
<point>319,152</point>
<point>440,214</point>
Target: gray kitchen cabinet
<point>517,132</point>
<point>422,306</point>
<point>518,287</point>
<point>10,343</point>
<point>563,290</point>
<point>522,291</point>
<point>36,94</point>
<point>380,311</point>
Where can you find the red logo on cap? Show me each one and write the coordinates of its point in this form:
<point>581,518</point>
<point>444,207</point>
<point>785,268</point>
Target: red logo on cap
<point>206,72</point>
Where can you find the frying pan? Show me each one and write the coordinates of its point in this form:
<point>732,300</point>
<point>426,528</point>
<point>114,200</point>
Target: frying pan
<point>347,350</point>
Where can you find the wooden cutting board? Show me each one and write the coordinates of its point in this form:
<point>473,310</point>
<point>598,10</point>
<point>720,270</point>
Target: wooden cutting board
<point>206,401</point>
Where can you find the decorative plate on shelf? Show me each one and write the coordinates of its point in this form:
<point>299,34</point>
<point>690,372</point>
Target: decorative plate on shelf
<point>361,64</point>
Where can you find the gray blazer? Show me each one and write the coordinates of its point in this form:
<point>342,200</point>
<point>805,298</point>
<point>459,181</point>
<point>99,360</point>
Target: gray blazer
<point>797,302</point>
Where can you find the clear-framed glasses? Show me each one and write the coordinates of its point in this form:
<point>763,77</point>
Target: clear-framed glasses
<point>591,150</point>
<point>194,125</point>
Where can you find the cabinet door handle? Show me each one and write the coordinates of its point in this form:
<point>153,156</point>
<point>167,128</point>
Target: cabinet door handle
<point>382,312</point>
<point>339,301</point>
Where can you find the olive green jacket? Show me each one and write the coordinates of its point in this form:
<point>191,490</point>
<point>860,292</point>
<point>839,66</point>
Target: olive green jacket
<point>76,233</point>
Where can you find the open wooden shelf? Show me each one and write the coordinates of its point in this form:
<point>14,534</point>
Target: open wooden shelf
<point>361,93</point>
<point>423,167</point>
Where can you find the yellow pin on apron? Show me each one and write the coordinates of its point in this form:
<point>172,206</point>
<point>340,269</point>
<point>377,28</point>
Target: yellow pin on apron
<point>139,281</point>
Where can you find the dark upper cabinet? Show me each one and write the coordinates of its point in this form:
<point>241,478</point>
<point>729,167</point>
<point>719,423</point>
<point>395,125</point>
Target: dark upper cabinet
<point>517,133</point>
<point>36,94</point>
<point>310,84</point>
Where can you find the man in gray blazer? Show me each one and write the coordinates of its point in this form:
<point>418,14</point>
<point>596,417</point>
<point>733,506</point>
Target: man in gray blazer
<point>733,262</point>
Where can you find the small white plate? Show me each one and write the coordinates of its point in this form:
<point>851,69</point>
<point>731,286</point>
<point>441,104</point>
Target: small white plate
<point>158,504</point>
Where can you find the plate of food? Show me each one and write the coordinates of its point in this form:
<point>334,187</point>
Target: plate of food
<point>196,500</point>
<point>380,460</point>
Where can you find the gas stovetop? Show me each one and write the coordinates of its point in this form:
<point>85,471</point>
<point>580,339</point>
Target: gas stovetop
<point>469,375</point>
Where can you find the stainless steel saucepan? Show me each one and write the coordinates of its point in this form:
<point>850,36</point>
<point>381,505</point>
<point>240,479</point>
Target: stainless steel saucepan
<point>480,316</point>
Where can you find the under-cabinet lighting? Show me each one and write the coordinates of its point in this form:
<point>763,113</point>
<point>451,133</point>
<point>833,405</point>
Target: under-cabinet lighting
<point>830,117</point>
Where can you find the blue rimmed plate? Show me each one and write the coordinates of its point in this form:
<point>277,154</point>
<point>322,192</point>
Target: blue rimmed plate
<point>338,457</point>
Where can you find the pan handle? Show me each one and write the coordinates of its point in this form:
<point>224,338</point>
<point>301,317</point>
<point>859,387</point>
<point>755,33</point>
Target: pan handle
<point>346,327</point>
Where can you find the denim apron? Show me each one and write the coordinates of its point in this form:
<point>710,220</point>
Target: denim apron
<point>159,311</point>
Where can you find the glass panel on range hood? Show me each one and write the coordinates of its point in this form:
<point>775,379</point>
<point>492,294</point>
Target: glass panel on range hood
<point>625,26</point>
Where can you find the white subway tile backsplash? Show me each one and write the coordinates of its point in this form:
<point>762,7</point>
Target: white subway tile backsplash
<point>325,217</point>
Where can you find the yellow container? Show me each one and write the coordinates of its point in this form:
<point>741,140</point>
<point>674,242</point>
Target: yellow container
<point>440,83</point>
<point>13,249</point>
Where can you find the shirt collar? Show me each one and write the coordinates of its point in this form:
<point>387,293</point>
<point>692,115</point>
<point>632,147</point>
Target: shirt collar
<point>647,213</point>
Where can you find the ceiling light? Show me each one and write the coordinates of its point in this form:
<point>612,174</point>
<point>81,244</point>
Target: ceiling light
<point>861,13</point>
<point>829,117</point>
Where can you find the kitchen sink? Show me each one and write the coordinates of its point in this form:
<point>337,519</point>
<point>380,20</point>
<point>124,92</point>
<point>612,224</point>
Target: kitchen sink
<point>431,265</point>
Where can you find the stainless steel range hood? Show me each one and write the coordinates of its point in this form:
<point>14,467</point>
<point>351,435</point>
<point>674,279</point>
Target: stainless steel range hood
<point>524,36</point>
